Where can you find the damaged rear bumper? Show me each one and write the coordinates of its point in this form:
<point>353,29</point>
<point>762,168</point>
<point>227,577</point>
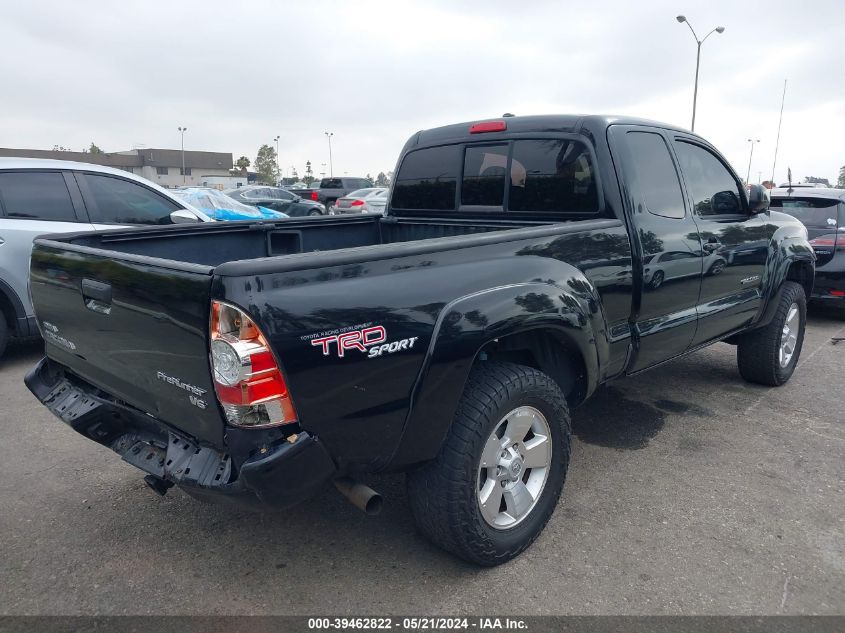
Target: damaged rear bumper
<point>258,467</point>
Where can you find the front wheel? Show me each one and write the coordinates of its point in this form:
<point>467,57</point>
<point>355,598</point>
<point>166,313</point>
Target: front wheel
<point>314,212</point>
<point>500,472</point>
<point>768,355</point>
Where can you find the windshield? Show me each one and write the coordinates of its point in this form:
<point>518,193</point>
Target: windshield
<point>813,212</point>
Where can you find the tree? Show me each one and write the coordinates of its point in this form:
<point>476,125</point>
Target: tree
<point>841,182</point>
<point>817,181</point>
<point>93,149</point>
<point>61,148</point>
<point>266,165</point>
<point>382,180</point>
<point>243,164</point>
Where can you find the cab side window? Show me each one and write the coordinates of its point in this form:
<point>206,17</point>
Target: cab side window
<point>657,179</point>
<point>714,190</point>
<point>119,201</point>
<point>36,196</point>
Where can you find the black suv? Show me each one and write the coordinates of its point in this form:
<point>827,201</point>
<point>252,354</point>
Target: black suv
<point>822,211</point>
<point>277,199</point>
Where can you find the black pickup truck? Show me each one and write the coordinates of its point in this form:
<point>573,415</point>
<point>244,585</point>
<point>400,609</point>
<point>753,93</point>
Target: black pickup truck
<point>522,263</point>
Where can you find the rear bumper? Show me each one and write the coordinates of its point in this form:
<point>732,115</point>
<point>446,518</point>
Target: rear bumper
<point>830,277</point>
<point>258,468</point>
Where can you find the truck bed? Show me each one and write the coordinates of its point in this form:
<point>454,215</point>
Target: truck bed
<point>215,244</point>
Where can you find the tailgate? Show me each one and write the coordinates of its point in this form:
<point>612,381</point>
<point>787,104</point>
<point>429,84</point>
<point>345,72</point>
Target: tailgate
<point>133,326</point>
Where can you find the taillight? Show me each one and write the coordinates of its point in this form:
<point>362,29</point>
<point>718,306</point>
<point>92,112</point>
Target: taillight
<point>357,203</point>
<point>829,241</point>
<point>314,195</point>
<point>837,293</point>
<point>248,380</point>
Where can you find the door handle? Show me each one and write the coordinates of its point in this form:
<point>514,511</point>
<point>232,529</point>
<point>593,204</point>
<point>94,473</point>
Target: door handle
<point>97,295</point>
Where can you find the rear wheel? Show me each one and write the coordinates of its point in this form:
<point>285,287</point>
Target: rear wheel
<point>768,356</point>
<point>314,212</point>
<point>4,333</point>
<point>501,469</point>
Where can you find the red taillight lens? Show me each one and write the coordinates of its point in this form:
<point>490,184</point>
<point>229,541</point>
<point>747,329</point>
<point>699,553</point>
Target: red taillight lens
<point>314,195</point>
<point>825,240</point>
<point>830,241</point>
<point>837,293</point>
<point>248,380</point>
<point>357,203</point>
<point>488,126</point>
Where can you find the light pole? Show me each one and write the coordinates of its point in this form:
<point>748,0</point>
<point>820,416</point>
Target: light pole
<point>753,141</point>
<point>182,131</point>
<point>718,29</point>
<point>329,136</point>
<point>277,155</point>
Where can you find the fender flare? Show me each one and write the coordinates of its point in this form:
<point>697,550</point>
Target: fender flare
<point>787,249</point>
<point>467,324</point>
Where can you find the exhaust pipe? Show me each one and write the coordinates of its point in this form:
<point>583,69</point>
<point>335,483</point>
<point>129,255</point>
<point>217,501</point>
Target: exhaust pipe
<point>362,497</point>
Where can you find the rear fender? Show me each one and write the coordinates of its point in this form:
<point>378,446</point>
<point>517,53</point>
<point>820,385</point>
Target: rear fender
<point>469,323</point>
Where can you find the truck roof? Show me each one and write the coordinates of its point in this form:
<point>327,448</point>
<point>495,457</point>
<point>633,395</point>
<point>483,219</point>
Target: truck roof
<point>535,123</point>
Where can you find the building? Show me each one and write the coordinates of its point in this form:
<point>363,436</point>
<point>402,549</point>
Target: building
<point>162,166</point>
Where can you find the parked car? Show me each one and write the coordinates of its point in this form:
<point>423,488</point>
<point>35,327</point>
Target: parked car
<point>369,200</point>
<point>668,266</point>
<point>40,196</point>
<point>330,189</point>
<point>277,199</point>
<point>219,206</point>
<point>448,339</point>
<point>822,211</point>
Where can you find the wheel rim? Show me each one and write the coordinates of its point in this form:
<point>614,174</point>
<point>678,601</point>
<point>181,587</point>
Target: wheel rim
<point>657,280</point>
<point>789,335</point>
<point>514,467</point>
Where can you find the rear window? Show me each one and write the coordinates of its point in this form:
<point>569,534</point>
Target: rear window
<point>36,196</point>
<point>813,212</point>
<point>530,176</point>
<point>331,183</point>
<point>552,175</point>
<point>428,179</point>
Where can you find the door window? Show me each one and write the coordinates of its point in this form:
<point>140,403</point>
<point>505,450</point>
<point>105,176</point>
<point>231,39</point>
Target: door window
<point>36,196</point>
<point>714,190</point>
<point>657,180</point>
<point>119,201</point>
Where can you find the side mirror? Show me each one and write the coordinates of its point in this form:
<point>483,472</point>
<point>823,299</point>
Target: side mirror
<point>183,216</point>
<point>758,198</point>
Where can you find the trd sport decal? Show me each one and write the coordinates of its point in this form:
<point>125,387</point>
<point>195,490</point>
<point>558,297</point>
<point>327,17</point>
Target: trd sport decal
<point>370,340</point>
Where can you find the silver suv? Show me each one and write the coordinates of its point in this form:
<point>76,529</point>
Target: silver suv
<point>53,196</point>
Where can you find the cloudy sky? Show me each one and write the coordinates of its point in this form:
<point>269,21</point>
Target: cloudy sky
<point>373,72</point>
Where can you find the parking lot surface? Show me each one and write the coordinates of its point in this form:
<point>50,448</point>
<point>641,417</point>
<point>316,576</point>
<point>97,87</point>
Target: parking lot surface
<point>689,492</point>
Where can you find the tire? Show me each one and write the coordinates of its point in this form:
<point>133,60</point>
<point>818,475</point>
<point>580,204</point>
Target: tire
<point>445,494</point>
<point>762,354</point>
<point>4,333</point>
<point>314,212</point>
<point>657,280</point>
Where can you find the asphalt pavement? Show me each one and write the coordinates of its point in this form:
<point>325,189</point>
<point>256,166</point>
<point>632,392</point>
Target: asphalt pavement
<point>689,492</point>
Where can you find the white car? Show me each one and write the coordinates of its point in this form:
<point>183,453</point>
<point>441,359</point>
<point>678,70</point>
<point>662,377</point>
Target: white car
<point>39,196</point>
<point>367,200</point>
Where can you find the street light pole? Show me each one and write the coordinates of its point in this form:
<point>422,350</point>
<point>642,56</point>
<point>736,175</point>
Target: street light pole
<point>752,141</point>
<point>182,131</point>
<point>698,42</point>
<point>277,155</point>
<point>329,136</point>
